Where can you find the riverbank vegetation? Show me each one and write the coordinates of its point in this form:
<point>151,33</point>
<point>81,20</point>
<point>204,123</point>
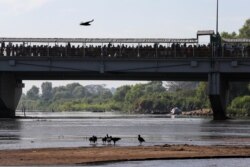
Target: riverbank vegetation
<point>155,97</point>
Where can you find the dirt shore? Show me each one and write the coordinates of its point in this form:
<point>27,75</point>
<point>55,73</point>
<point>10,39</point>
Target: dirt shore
<point>76,156</point>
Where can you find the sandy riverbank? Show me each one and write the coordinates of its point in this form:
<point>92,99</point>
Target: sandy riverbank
<point>201,112</point>
<point>73,156</point>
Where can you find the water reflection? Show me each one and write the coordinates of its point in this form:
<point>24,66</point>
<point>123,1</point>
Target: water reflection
<point>229,132</point>
<point>239,162</point>
<point>9,131</point>
<point>72,129</point>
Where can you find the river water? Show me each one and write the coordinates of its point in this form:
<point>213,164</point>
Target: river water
<point>72,129</point>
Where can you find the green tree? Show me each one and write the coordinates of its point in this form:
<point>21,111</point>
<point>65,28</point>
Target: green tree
<point>237,89</point>
<point>201,94</point>
<point>95,91</point>
<point>135,93</point>
<point>33,93</point>
<point>174,86</point>
<point>229,35</point>
<point>120,93</point>
<point>154,86</point>
<point>46,91</point>
<point>245,30</point>
<point>106,94</point>
<point>70,89</point>
<point>61,95</point>
<point>79,92</point>
<point>240,106</point>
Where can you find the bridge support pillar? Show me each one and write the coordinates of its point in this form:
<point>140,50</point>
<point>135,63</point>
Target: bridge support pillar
<point>218,89</point>
<point>10,94</point>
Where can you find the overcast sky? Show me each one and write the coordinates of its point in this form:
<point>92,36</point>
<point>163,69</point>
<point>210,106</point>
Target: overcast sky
<point>118,18</point>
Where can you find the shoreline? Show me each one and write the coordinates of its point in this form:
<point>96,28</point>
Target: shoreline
<point>111,154</point>
<point>159,159</point>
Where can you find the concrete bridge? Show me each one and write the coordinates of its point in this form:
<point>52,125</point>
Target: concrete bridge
<point>122,59</point>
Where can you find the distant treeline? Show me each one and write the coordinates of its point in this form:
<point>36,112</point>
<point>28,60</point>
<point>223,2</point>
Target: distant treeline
<point>153,97</point>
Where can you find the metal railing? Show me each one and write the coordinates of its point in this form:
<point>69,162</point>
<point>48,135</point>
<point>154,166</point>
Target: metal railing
<point>117,48</point>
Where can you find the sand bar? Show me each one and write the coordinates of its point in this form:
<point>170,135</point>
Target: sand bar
<point>88,155</point>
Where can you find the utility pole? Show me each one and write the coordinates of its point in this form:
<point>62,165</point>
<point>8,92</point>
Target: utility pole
<point>217,18</point>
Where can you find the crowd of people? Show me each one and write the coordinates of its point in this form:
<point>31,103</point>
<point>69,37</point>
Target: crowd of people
<point>121,51</point>
<point>236,50</point>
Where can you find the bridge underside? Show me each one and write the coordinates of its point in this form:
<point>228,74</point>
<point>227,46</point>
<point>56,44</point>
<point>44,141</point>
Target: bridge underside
<point>14,70</point>
<point>112,76</point>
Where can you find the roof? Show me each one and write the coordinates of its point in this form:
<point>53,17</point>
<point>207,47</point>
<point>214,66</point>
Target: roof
<point>205,32</point>
<point>100,40</point>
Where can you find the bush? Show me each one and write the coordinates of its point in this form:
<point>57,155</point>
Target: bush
<point>240,106</point>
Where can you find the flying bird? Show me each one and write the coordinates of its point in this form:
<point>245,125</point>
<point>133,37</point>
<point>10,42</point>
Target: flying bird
<point>86,23</point>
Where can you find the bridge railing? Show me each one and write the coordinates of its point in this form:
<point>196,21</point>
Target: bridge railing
<point>119,48</point>
<point>107,51</point>
<point>236,48</point>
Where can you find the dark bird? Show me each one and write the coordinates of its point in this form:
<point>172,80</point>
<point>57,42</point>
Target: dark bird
<point>140,139</point>
<point>115,139</point>
<point>86,23</point>
<point>109,139</point>
<point>93,139</point>
<point>104,139</point>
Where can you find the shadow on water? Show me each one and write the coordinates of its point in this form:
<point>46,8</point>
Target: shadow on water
<point>229,131</point>
<point>8,131</point>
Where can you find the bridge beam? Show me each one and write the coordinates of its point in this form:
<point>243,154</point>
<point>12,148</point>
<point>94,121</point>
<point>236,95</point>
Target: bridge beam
<point>218,89</point>
<point>10,94</point>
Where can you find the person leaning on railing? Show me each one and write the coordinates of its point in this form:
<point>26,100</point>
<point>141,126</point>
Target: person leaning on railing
<point>248,51</point>
<point>2,49</point>
<point>8,50</point>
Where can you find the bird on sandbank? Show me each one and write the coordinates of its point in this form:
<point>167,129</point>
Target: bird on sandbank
<point>108,139</point>
<point>93,139</point>
<point>140,139</point>
<point>104,139</point>
<point>115,139</point>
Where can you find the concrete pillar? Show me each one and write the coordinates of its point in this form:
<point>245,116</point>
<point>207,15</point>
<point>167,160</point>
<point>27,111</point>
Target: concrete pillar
<point>218,89</point>
<point>10,94</point>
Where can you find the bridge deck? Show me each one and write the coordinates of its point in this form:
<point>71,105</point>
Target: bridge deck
<point>144,59</point>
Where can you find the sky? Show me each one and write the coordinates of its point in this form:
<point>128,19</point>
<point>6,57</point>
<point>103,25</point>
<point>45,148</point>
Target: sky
<point>117,19</point>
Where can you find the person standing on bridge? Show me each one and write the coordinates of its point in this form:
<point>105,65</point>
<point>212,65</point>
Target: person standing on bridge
<point>2,49</point>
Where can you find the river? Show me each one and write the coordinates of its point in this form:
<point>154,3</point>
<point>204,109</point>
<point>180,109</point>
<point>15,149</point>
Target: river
<point>72,129</point>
